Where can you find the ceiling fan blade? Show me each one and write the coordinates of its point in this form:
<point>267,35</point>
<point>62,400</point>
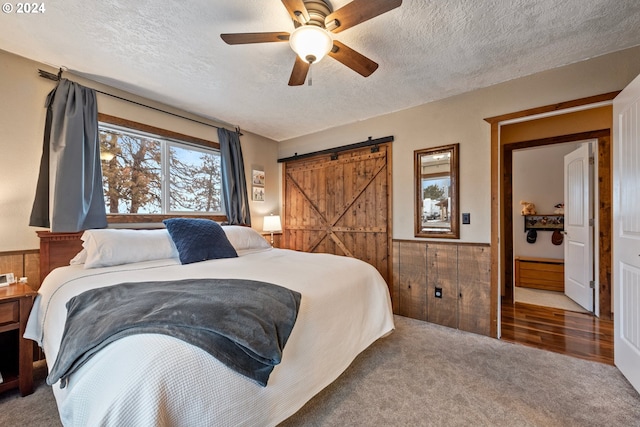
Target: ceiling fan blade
<point>293,6</point>
<point>299,73</point>
<point>246,38</point>
<point>357,12</point>
<point>352,59</point>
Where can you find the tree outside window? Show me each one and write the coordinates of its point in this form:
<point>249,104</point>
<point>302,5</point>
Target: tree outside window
<point>145,174</point>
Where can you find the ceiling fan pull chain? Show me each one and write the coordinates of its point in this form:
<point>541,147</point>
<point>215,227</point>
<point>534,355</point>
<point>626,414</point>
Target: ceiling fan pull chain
<point>310,79</point>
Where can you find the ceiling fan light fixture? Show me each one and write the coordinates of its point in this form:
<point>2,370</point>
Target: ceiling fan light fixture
<point>311,43</point>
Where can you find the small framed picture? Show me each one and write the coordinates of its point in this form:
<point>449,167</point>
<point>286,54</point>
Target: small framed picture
<point>258,177</point>
<point>258,194</point>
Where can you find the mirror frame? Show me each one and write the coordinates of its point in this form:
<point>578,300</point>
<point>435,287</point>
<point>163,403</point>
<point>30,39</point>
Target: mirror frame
<point>453,232</point>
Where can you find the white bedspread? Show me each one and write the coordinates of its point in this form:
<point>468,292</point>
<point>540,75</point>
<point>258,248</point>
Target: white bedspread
<point>157,380</point>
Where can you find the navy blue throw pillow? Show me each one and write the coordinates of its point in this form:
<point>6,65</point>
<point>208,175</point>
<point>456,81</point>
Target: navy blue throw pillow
<point>199,239</point>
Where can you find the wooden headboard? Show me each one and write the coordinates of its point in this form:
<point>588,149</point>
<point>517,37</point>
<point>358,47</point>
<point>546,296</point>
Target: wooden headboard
<point>57,249</point>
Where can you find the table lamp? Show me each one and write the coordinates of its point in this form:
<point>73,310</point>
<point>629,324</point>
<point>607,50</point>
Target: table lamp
<point>271,224</point>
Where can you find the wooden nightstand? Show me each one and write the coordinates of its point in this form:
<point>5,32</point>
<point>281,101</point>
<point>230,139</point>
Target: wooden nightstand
<point>16,358</point>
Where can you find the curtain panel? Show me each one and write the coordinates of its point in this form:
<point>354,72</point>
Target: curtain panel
<point>234,183</point>
<point>69,195</point>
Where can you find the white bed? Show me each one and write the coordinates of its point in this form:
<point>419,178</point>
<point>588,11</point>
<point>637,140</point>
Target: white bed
<point>157,380</point>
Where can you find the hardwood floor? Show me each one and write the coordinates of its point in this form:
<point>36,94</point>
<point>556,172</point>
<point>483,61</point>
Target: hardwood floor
<point>567,332</point>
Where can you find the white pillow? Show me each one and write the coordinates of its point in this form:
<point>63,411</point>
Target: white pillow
<point>80,257</point>
<point>243,238</point>
<point>107,247</point>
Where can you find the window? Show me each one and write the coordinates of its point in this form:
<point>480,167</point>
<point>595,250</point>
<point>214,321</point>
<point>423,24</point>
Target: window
<point>146,173</point>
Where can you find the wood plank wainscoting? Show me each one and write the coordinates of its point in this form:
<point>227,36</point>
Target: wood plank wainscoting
<point>445,283</point>
<point>24,263</point>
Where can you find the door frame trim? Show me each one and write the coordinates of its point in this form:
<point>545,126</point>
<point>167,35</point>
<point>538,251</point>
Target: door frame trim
<point>497,253</point>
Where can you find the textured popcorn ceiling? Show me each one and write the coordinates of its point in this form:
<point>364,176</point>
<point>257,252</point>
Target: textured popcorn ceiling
<point>170,51</point>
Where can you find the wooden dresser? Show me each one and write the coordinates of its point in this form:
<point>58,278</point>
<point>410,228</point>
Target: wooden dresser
<point>539,273</point>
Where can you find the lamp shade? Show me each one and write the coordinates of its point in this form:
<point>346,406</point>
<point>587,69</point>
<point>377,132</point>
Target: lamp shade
<point>272,223</point>
<point>310,42</point>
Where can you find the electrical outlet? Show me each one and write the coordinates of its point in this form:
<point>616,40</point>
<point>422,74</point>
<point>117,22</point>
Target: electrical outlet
<point>438,293</point>
<point>466,218</point>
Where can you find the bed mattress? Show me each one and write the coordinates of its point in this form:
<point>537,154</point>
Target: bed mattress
<point>158,380</point>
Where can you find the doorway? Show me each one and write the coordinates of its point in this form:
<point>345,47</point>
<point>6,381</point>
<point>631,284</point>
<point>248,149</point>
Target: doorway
<point>603,229</point>
<point>584,118</point>
<point>540,240</point>
<point>583,335</point>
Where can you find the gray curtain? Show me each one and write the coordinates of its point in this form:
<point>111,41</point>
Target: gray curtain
<point>69,194</point>
<point>234,184</point>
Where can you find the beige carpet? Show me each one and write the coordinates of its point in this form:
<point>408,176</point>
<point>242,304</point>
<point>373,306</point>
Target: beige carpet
<point>36,410</point>
<point>547,299</point>
<point>428,375</point>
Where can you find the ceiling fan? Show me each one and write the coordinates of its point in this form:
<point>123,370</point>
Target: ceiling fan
<point>311,39</point>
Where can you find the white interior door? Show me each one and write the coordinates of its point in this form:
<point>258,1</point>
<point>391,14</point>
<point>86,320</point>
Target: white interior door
<point>578,242</point>
<point>626,231</point>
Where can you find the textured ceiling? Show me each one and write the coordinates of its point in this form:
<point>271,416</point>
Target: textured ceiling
<point>171,51</point>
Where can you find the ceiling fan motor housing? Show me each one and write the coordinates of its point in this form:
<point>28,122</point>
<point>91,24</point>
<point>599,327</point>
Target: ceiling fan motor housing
<point>318,11</point>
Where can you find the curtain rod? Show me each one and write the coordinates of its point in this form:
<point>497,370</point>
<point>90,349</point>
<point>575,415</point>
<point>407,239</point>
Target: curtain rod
<point>56,77</point>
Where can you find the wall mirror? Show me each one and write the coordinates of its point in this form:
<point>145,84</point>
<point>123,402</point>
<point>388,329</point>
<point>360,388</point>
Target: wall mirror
<point>436,172</point>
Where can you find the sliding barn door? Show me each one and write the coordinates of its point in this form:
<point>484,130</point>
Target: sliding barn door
<point>341,204</point>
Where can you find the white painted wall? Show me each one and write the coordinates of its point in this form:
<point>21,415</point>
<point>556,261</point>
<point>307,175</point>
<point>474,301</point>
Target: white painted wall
<point>538,177</point>
<point>22,116</point>
<point>461,119</point>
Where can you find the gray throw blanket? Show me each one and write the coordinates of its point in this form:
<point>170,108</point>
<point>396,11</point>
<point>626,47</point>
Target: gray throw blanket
<point>243,323</point>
